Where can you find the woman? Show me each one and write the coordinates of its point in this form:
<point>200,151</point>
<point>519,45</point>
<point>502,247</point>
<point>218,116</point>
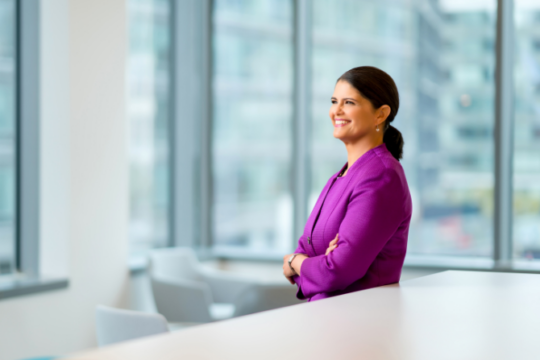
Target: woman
<point>356,235</point>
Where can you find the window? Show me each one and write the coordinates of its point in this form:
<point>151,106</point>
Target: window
<point>8,138</point>
<point>244,196</point>
<point>148,101</point>
<point>527,130</point>
<point>441,56</point>
<point>251,125</point>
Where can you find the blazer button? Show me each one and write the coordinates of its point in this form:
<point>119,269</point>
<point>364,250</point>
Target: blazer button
<point>308,240</point>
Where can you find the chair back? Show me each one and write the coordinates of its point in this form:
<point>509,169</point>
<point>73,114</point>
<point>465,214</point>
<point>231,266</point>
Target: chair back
<point>182,300</point>
<point>116,325</point>
<point>262,297</point>
<point>175,263</point>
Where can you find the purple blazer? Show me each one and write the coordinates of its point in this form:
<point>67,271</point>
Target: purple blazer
<point>371,210</point>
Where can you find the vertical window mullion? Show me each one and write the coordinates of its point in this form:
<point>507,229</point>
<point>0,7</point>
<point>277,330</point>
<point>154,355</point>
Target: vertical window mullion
<point>191,109</point>
<point>302,108</point>
<point>503,190</point>
<point>206,111</point>
<point>17,100</point>
<point>28,138</point>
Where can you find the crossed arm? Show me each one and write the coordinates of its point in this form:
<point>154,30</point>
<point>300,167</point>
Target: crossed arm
<point>296,264</point>
<point>375,210</point>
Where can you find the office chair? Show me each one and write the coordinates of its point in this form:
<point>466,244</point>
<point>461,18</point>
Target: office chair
<point>116,325</point>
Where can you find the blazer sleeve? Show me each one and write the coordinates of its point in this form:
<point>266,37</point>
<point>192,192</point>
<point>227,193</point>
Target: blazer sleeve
<point>374,213</point>
<point>299,250</point>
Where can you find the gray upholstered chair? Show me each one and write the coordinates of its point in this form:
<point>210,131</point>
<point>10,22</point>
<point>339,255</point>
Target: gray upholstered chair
<point>186,292</point>
<point>116,325</point>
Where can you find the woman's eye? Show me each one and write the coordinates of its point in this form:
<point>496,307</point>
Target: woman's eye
<point>349,102</point>
<point>333,101</point>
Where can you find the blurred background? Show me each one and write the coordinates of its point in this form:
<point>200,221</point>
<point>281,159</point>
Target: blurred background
<point>203,125</point>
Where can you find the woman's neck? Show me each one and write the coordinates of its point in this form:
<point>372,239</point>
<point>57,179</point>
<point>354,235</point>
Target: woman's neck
<point>357,149</point>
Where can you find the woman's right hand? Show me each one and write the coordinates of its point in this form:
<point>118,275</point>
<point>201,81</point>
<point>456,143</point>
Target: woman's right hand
<point>332,245</point>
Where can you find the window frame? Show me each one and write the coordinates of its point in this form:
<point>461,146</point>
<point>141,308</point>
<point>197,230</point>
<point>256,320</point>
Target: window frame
<point>27,278</point>
<point>28,140</point>
<point>504,136</point>
<point>191,140</point>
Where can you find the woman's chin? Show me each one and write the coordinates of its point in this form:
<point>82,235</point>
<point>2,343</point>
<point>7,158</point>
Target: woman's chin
<point>338,134</point>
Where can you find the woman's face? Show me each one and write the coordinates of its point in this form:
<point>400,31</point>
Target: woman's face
<point>353,116</point>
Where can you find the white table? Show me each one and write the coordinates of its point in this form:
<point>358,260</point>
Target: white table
<point>455,315</point>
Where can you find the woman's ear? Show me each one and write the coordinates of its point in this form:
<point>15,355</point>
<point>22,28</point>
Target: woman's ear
<point>382,114</point>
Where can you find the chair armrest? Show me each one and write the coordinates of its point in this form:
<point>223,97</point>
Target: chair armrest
<point>225,286</point>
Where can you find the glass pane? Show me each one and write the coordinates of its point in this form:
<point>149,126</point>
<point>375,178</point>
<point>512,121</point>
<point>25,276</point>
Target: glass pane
<point>252,114</point>
<point>527,130</point>
<point>7,135</point>
<point>441,56</point>
<point>148,76</point>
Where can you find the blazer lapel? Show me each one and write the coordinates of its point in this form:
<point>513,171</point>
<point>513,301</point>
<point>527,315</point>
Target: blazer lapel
<point>318,205</point>
<point>322,199</point>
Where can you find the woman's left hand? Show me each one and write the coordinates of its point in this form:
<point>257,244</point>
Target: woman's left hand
<point>287,271</point>
<point>296,264</point>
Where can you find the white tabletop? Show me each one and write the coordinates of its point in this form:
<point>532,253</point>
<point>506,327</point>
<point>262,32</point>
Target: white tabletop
<point>455,315</point>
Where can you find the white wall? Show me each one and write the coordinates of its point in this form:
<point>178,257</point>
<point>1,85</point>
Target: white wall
<point>84,192</point>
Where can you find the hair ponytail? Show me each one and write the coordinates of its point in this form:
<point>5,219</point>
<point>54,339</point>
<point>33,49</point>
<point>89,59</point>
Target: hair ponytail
<point>394,141</point>
<point>380,89</point>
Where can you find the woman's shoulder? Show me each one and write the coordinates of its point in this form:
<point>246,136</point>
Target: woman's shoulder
<point>381,170</point>
<point>381,160</point>
<point>385,159</point>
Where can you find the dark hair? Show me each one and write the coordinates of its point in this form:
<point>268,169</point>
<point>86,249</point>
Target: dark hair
<point>380,89</point>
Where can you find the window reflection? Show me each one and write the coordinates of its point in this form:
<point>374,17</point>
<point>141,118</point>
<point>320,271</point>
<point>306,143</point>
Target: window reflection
<point>148,77</point>
<point>527,130</point>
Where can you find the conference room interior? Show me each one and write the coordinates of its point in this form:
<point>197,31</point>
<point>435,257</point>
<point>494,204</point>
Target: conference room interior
<point>162,156</point>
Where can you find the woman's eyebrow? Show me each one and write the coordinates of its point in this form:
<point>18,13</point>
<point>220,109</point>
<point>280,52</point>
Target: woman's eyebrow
<point>333,98</point>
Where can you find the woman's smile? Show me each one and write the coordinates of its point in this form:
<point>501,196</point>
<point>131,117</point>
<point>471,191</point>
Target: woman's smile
<point>341,122</point>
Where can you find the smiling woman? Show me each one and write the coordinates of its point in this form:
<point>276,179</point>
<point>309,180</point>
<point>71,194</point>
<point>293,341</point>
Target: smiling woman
<point>356,236</point>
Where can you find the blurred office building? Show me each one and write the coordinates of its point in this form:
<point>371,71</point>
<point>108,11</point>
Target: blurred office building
<point>442,57</point>
<point>148,111</point>
<point>527,130</point>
